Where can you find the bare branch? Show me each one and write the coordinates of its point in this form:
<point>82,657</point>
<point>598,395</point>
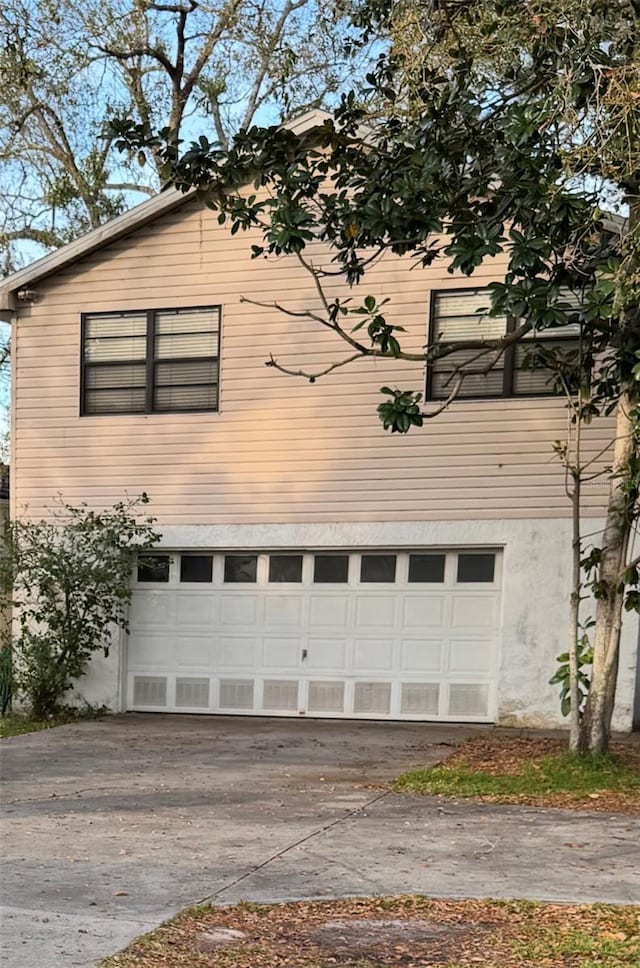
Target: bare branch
<point>153,52</point>
<point>174,7</point>
<point>312,377</point>
<point>41,236</point>
<point>302,314</point>
<point>130,187</point>
<point>452,396</point>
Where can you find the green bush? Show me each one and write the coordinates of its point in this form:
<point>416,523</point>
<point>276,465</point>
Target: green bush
<point>68,581</point>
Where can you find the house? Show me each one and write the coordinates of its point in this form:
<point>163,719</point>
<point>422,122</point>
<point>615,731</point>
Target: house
<point>310,563</point>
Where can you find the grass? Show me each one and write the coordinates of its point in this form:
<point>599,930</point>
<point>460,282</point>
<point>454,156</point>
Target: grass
<point>507,769</point>
<point>15,724</point>
<point>400,932</point>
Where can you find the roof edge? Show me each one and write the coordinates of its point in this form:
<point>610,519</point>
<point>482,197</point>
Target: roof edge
<point>120,226</point>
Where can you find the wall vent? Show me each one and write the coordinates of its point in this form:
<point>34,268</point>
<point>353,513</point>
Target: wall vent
<point>280,694</point>
<point>419,698</point>
<point>326,697</point>
<point>149,691</point>
<point>372,697</point>
<point>192,693</point>
<point>468,700</point>
<point>236,694</point>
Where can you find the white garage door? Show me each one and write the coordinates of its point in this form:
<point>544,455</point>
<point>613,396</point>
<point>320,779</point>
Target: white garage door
<point>396,635</point>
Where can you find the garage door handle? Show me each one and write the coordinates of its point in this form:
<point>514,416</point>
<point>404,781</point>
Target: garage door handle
<point>304,654</point>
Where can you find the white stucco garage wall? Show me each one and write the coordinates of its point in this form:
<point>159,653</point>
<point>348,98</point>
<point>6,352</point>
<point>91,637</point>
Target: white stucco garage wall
<point>536,587</point>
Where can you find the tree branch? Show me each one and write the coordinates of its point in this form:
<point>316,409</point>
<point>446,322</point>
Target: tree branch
<point>312,377</point>
<point>153,52</point>
<point>130,187</point>
<point>41,236</point>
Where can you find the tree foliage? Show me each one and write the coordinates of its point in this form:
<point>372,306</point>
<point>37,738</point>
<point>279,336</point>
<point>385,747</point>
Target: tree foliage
<point>68,583</point>
<point>490,128</point>
<point>67,68</point>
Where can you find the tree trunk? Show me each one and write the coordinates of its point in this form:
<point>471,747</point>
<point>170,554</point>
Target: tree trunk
<point>608,618</point>
<point>576,736</point>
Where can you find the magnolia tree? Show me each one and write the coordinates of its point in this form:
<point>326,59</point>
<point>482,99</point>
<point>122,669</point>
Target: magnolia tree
<point>490,128</point>
<point>68,583</point>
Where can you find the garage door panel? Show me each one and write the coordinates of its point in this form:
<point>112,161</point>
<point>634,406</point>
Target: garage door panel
<point>474,612</point>
<point>196,610</point>
<point>329,611</point>
<point>376,612</point>
<point>191,652</point>
<point>240,610</point>
<point>409,637</point>
<point>373,654</point>
<point>153,652</point>
<point>283,610</point>
<point>326,654</point>
<point>150,609</point>
<point>424,612</point>
<point>279,652</point>
<point>470,655</point>
<point>236,652</point>
<point>422,656</point>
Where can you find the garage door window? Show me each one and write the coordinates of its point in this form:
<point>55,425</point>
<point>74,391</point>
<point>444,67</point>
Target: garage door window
<point>285,568</point>
<point>476,567</point>
<point>329,569</point>
<point>153,568</point>
<point>196,568</point>
<point>240,568</point>
<point>378,568</point>
<point>427,568</point>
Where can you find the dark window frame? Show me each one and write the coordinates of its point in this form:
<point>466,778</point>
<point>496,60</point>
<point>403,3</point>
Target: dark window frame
<point>149,361</point>
<point>508,356</point>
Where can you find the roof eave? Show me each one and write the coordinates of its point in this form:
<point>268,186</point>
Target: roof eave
<point>118,227</point>
<point>137,217</point>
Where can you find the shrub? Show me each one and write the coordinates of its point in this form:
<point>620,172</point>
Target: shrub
<point>68,581</point>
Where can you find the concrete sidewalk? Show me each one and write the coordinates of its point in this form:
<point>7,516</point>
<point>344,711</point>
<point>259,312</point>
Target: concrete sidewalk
<point>113,826</point>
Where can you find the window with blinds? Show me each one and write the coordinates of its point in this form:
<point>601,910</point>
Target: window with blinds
<point>160,361</point>
<point>457,316</point>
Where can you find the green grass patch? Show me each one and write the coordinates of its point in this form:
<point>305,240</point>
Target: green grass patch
<point>16,725</point>
<point>562,773</point>
<point>618,947</point>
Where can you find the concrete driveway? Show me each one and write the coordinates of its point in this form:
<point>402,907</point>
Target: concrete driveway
<point>112,826</point>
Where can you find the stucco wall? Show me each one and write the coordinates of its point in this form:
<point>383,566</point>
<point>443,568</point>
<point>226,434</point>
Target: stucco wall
<point>536,585</point>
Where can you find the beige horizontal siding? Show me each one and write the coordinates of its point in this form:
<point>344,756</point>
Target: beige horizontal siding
<point>280,449</point>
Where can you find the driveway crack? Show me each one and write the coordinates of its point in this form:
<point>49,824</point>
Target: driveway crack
<point>210,898</point>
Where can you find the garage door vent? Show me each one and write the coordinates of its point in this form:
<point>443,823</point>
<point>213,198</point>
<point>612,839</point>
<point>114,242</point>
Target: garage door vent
<point>372,697</point>
<point>149,691</point>
<point>468,700</point>
<point>326,697</point>
<point>280,694</point>
<point>236,693</point>
<point>192,693</point>
<point>419,699</point>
